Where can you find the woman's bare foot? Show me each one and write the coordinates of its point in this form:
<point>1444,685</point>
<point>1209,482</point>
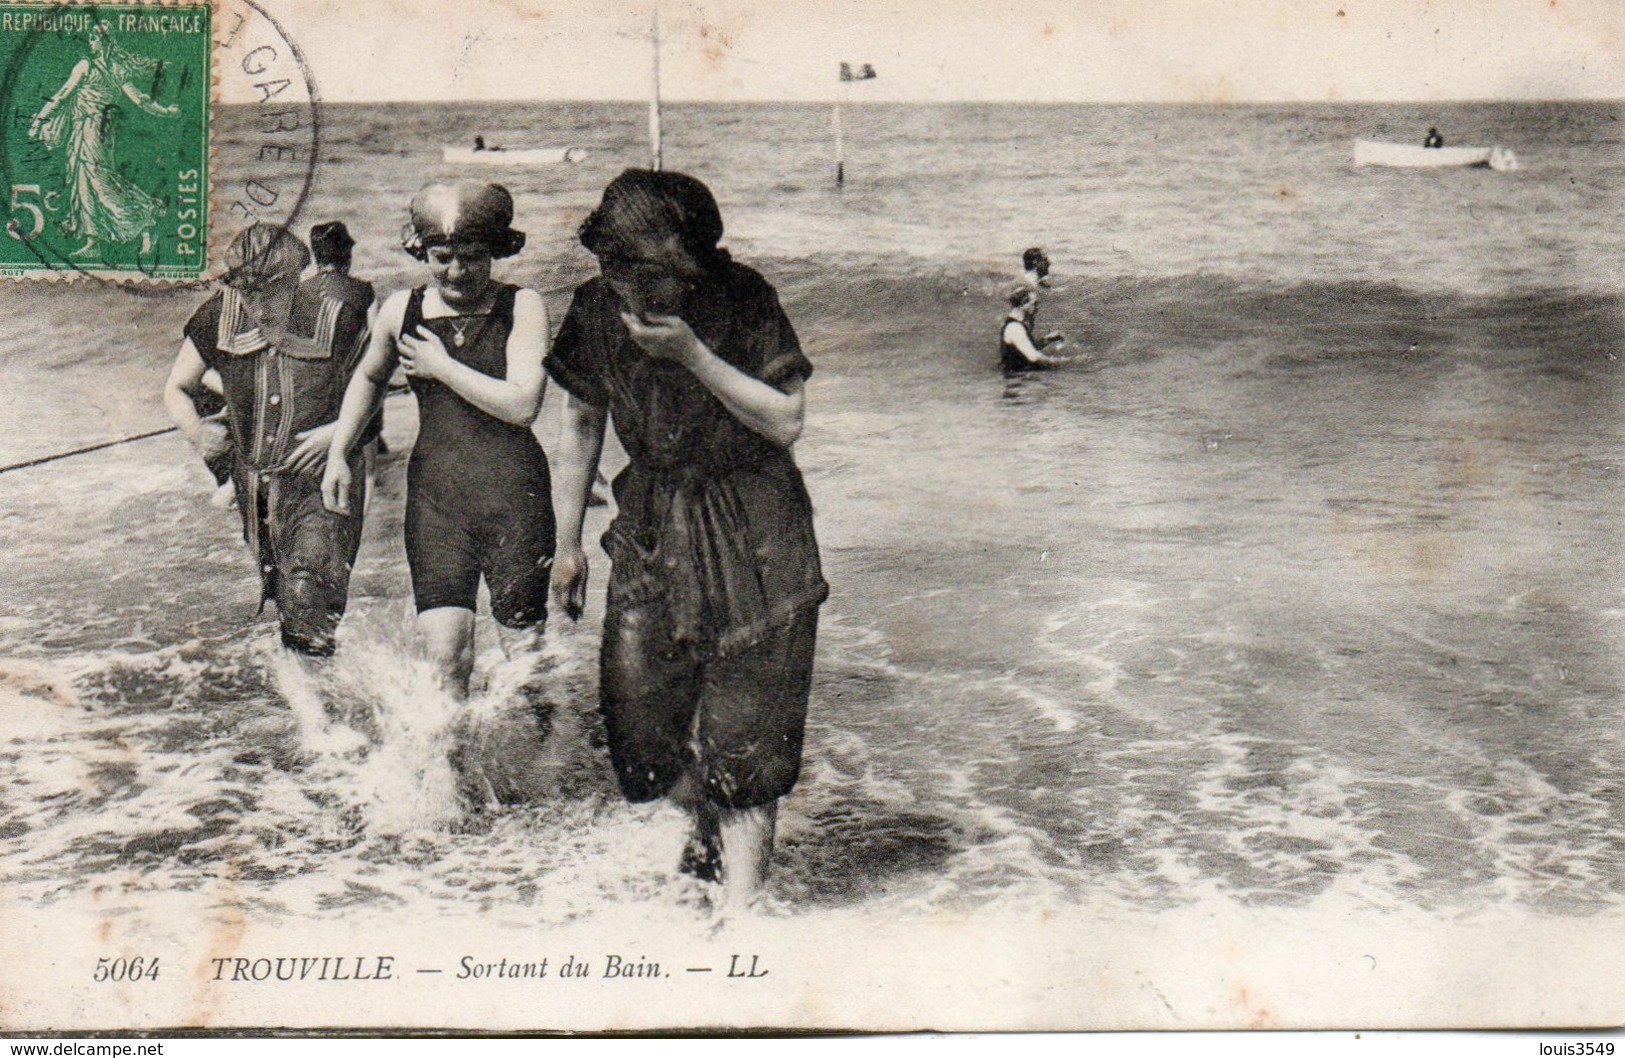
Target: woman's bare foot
<point>702,854</point>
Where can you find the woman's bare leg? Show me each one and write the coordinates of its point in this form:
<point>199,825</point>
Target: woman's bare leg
<point>701,857</point>
<point>747,851</point>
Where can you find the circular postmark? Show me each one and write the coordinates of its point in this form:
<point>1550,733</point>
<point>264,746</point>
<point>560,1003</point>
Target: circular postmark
<point>136,140</point>
<point>268,139</point>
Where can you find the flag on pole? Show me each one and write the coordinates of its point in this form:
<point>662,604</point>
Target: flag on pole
<point>866,72</point>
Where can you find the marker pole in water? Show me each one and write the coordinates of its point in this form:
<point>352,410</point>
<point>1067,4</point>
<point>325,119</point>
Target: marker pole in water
<point>865,72</point>
<point>655,152</point>
<point>840,163</point>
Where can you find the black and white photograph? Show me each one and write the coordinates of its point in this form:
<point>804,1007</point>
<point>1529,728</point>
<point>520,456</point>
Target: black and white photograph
<point>792,516</point>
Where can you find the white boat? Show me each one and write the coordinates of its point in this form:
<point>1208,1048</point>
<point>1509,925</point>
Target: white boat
<point>1411,156</point>
<point>511,155</point>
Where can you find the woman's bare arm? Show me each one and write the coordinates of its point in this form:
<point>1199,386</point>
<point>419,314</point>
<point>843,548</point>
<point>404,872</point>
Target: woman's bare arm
<point>575,463</point>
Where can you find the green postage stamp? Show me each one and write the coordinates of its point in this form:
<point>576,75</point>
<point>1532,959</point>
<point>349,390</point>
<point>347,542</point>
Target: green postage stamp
<point>105,154</point>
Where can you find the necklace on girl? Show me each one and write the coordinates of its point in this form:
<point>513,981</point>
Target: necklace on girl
<point>461,322</point>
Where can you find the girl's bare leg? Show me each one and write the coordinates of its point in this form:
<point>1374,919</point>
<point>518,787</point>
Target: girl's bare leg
<point>520,644</point>
<point>448,639</point>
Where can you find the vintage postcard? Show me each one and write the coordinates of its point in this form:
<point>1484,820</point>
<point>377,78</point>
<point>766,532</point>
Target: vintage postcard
<point>526,516</point>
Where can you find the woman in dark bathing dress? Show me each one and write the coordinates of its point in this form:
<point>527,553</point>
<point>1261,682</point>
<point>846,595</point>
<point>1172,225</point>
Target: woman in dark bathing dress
<point>715,582</point>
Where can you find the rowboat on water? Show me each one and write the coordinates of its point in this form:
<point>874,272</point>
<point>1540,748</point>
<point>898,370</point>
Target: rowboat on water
<point>511,155</point>
<point>1410,156</point>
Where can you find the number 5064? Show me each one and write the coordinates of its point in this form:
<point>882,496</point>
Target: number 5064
<point>135,969</point>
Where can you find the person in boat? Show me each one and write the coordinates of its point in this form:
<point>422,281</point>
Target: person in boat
<point>283,352</point>
<point>479,143</point>
<point>478,500</point>
<point>1433,138</point>
<point>1018,352</point>
<point>715,581</point>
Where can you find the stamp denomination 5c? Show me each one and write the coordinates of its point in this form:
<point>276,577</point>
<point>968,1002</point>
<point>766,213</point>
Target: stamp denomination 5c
<point>105,146</point>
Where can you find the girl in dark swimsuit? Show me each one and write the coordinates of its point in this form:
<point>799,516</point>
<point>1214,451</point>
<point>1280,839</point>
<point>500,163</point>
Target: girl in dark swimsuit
<point>478,499</point>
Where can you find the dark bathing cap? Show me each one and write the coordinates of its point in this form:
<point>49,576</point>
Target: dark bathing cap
<point>1031,256</point>
<point>264,251</point>
<point>330,240</point>
<point>464,211</point>
<point>645,204</point>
